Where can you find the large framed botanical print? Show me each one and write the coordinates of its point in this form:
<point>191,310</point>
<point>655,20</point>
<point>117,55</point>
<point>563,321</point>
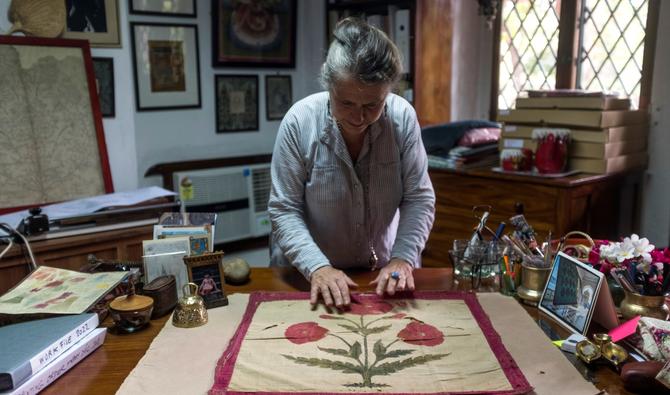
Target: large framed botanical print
<point>53,145</point>
<point>167,69</point>
<point>253,33</point>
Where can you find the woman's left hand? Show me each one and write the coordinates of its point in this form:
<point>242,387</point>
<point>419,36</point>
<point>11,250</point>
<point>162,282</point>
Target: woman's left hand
<point>396,276</point>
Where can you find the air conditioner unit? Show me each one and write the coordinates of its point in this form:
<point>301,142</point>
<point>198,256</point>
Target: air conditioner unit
<point>239,195</point>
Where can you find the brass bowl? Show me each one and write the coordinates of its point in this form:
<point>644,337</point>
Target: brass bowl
<point>614,353</point>
<point>587,351</point>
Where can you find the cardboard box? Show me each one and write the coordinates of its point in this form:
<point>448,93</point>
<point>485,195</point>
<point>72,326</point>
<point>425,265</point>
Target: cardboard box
<point>583,118</point>
<point>579,103</point>
<point>609,165</point>
<point>580,149</point>
<point>606,135</point>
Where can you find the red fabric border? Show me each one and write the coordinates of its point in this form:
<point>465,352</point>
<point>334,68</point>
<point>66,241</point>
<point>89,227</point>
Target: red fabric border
<point>226,364</point>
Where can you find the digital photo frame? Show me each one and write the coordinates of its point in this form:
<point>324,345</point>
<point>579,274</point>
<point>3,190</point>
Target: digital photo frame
<point>576,294</point>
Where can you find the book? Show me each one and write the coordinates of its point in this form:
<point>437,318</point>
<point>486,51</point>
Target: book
<point>583,118</point>
<point>607,135</point>
<point>61,364</point>
<point>30,346</point>
<point>578,103</point>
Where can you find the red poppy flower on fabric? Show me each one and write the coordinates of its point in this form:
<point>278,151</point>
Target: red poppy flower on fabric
<point>421,334</point>
<point>305,332</point>
<point>370,308</point>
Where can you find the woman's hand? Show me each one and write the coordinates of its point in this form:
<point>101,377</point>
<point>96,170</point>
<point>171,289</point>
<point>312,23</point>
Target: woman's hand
<point>333,285</point>
<point>386,281</point>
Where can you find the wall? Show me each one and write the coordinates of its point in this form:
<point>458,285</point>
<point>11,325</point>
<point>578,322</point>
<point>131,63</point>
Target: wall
<point>471,63</point>
<point>138,140</point>
<point>655,222</point>
<point>163,136</point>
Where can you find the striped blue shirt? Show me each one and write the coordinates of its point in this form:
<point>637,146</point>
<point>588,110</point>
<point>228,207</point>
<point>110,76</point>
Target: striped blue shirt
<point>318,197</point>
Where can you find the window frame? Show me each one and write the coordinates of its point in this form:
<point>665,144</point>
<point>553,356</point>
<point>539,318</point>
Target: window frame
<point>567,54</point>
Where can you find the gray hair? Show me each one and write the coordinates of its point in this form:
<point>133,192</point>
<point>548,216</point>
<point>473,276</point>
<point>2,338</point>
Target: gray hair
<point>361,51</point>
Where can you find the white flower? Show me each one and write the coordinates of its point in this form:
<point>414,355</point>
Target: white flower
<point>641,246</point>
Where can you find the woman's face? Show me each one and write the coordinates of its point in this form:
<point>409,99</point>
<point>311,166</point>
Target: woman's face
<point>356,105</point>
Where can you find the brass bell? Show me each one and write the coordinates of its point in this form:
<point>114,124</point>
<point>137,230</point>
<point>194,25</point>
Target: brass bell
<point>190,312</point>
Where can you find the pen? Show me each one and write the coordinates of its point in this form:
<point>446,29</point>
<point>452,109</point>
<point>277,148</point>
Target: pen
<point>499,231</point>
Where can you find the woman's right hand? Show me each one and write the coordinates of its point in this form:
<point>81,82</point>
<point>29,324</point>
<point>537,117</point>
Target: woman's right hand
<point>333,286</point>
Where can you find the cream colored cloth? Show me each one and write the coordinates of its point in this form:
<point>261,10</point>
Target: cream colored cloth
<point>182,361</point>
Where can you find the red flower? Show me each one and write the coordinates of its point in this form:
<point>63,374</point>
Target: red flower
<point>305,332</point>
<point>370,308</point>
<point>421,334</point>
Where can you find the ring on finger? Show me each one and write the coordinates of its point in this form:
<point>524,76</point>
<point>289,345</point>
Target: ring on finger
<point>395,275</point>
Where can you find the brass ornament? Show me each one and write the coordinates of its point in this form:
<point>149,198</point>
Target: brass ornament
<point>190,312</point>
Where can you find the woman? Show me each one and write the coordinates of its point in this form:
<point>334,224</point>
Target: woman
<point>350,186</point>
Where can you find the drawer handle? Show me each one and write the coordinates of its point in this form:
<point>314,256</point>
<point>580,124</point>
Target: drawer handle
<point>518,207</point>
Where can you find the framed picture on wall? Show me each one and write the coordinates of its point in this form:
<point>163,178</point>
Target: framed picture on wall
<point>278,96</point>
<point>167,69</point>
<point>104,80</point>
<point>173,8</point>
<point>236,103</point>
<point>94,20</point>
<point>253,33</point>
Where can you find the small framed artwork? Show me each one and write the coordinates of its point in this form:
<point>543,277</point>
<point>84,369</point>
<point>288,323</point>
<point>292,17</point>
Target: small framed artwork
<point>172,8</point>
<point>278,96</point>
<point>236,103</point>
<point>206,271</point>
<point>104,80</point>
<point>167,69</point>
<point>253,33</point>
<point>94,20</point>
<point>575,293</point>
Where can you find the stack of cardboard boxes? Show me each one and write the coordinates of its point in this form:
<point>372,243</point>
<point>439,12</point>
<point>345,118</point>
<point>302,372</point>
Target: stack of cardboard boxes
<point>605,135</point>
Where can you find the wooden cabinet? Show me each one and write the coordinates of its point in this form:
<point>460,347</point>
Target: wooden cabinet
<point>72,252</point>
<point>590,203</point>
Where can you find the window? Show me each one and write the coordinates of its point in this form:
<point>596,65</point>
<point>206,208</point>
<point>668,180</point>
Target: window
<point>575,44</point>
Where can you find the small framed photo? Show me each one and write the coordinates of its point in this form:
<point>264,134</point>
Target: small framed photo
<point>575,293</point>
<point>104,80</point>
<point>172,8</point>
<point>278,96</point>
<point>167,69</point>
<point>206,271</point>
<point>236,103</point>
<point>253,33</point>
<point>94,20</point>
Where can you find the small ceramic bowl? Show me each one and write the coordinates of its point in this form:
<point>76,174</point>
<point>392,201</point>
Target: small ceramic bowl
<point>131,313</point>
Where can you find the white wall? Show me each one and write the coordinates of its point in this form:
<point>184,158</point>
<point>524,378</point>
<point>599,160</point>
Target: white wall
<point>138,140</point>
<point>168,136</point>
<point>656,197</point>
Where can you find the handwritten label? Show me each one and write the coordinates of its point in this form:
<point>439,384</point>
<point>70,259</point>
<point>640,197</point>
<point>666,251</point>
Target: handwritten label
<point>56,348</point>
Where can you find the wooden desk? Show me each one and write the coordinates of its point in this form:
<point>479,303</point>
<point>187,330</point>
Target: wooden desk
<point>103,371</point>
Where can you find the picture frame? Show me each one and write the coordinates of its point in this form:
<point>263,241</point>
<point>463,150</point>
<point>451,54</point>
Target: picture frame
<point>171,8</point>
<point>62,77</point>
<point>206,271</point>
<point>236,103</point>
<point>167,66</point>
<point>278,96</point>
<point>575,294</point>
<point>104,79</point>
<point>166,256</point>
<point>94,20</point>
<point>253,33</point>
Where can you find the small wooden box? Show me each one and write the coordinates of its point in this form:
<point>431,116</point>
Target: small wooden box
<point>163,290</point>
